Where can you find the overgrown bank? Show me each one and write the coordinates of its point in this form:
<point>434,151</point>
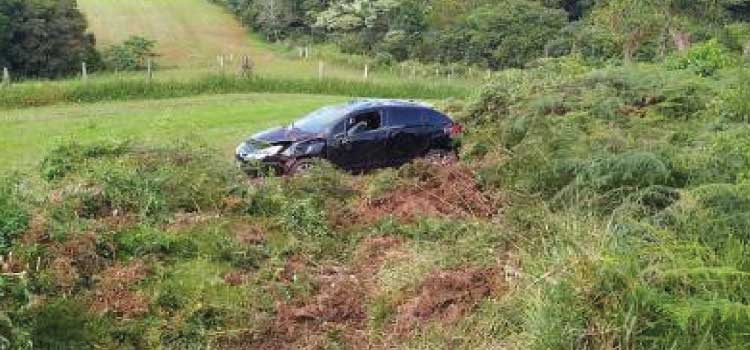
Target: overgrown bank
<point>593,208</point>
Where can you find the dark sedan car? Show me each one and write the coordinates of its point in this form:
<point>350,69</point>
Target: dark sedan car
<point>359,135</point>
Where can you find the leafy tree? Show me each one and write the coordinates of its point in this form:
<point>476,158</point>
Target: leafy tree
<point>632,23</point>
<point>132,54</point>
<point>507,34</point>
<point>44,38</point>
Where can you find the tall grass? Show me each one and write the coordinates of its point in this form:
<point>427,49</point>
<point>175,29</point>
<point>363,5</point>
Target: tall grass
<point>109,89</point>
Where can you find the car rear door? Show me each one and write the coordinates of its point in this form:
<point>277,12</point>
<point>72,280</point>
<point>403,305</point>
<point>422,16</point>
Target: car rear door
<point>363,150</point>
<point>408,134</point>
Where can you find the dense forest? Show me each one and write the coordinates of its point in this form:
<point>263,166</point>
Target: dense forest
<point>502,34</point>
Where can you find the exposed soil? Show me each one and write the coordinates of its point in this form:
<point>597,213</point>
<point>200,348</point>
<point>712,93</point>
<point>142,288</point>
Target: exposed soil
<point>114,291</point>
<point>447,191</point>
<point>247,233</point>
<point>445,296</point>
<point>337,305</point>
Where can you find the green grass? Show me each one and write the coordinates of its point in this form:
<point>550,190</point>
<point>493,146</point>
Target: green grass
<point>113,88</point>
<point>221,121</point>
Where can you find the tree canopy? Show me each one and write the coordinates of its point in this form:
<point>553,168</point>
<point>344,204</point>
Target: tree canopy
<point>44,38</point>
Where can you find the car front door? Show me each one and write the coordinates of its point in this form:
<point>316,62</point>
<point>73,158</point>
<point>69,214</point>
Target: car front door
<point>407,133</point>
<point>360,142</point>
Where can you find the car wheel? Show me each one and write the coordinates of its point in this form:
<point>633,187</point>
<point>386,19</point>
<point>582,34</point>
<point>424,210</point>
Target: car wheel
<point>441,157</point>
<point>302,166</point>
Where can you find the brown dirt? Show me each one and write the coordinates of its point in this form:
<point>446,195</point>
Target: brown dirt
<point>446,295</point>
<point>234,278</point>
<point>447,191</point>
<point>114,292</point>
<point>81,253</point>
<point>247,233</point>
<point>337,305</point>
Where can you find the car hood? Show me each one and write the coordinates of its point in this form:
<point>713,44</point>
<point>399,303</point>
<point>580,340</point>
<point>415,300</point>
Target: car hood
<point>282,135</point>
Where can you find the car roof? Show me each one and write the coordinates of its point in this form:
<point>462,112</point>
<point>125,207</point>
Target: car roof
<point>360,104</point>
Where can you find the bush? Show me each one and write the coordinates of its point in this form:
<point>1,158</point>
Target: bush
<point>734,103</point>
<point>305,217</point>
<point>147,182</point>
<point>63,324</point>
<point>67,157</point>
<point>132,54</point>
<point>702,59</point>
<point>14,216</point>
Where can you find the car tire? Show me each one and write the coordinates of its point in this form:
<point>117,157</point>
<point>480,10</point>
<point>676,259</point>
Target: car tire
<point>441,157</point>
<point>301,166</point>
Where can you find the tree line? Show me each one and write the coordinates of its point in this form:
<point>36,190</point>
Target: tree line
<point>501,33</point>
<point>48,39</point>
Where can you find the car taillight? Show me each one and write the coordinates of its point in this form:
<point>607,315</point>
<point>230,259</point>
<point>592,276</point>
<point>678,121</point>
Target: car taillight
<point>454,129</point>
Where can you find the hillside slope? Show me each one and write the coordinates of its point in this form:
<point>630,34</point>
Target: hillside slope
<point>190,33</point>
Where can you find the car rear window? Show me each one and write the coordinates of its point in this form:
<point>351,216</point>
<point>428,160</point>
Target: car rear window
<point>414,116</point>
<point>436,118</point>
<point>405,116</point>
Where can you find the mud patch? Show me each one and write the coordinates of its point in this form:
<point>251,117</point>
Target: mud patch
<point>447,191</point>
<point>446,296</point>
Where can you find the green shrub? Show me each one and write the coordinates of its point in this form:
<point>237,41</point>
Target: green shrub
<point>703,59</point>
<point>131,54</point>
<point>734,103</point>
<point>63,324</point>
<point>67,157</point>
<point>303,216</point>
<point>14,215</point>
<point>148,182</point>
<point>713,214</point>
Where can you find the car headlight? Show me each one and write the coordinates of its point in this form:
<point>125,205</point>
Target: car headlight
<point>263,153</point>
<point>290,151</point>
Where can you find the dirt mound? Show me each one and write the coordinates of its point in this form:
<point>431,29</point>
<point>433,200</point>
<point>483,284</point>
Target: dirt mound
<point>114,292</point>
<point>449,190</point>
<point>446,296</point>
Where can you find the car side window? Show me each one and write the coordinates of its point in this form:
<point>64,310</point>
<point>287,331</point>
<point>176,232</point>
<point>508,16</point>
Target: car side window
<point>363,122</point>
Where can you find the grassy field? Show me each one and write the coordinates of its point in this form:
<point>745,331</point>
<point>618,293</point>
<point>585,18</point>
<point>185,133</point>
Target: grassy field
<point>221,121</point>
<point>188,45</point>
<point>185,40</point>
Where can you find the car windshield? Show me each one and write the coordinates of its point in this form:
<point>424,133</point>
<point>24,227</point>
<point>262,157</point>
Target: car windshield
<point>320,120</point>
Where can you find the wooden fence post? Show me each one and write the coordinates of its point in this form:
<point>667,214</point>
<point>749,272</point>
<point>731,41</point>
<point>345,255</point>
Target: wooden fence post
<point>321,70</point>
<point>307,52</point>
<point>84,72</point>
<point>246,68</point>
<point>150,71</point>
<point>6,77</point>
<point>367,71</point>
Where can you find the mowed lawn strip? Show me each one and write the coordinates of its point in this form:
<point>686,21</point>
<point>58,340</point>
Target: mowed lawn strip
<point>221,121</point>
